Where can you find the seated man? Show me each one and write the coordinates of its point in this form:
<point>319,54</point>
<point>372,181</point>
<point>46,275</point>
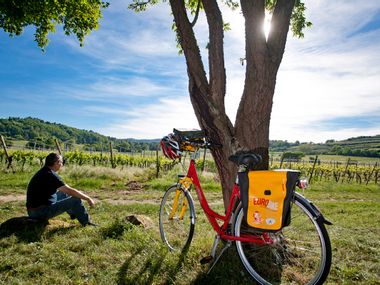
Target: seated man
<point>48,196</point>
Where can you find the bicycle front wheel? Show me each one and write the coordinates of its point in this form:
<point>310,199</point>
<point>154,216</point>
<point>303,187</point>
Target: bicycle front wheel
<point>177,218</point>
<point>300,253</point>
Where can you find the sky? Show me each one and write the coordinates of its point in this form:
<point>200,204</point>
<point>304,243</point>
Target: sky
<point>128,80</point>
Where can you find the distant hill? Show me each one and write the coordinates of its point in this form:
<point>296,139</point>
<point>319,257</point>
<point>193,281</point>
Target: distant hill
<point>41,133</point>
<point>367,146</point>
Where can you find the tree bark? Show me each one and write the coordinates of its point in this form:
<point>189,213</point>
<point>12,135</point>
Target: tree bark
<point>263,58</point>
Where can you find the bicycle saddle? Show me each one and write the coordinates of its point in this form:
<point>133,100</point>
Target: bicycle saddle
<point>246,158</point>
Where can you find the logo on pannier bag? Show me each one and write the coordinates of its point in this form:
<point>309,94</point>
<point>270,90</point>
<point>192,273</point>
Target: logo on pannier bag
<point>266,203</point>
<point>270,221</point>
<point>261,202</point>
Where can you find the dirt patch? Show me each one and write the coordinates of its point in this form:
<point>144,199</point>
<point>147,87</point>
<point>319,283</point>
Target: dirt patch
<point>12,198</point>
<point>129,202</point>
<point>133,186</point>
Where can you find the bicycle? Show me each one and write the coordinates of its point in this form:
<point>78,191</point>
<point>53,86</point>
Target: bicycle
<point>297,254</point>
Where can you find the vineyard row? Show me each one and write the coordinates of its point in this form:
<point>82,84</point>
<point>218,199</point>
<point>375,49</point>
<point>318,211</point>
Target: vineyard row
<point>320,172</point>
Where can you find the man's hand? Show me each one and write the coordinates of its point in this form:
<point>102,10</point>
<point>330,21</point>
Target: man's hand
<point>91,202</point>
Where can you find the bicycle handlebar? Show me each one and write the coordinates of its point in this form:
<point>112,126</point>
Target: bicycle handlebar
<point>203,144</point>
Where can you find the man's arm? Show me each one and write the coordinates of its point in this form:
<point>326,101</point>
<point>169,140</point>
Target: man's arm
<point>76,193</point>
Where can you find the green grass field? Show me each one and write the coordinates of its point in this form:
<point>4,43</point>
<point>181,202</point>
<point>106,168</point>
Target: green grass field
<point>118,252</point>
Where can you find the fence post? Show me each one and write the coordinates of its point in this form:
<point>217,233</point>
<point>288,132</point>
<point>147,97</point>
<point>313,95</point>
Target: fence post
<point>204,160</point>
<point>111,156</point>
<point>369,176</point>
<point>282,160</point>
<point>312,170</point>
<point>58,147</point>
<point>345,170</point>
<point>9,157</point>
<point>157,163</point>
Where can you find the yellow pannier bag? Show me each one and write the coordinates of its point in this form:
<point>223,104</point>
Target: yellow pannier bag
<point>269,198</point>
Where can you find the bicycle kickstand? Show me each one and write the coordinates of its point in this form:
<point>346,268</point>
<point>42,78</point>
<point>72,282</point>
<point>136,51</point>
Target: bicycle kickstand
<point>211,257</point>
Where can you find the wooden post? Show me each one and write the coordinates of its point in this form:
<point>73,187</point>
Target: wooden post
<point>112,162</point>
<point>9,157</point>
<point>58,147</point>
<point>312,170</point>
<point>204,160</point>
<point>157,163</point>
<point>282,160</point>
<point>369,176</point>
<point>345,170</point>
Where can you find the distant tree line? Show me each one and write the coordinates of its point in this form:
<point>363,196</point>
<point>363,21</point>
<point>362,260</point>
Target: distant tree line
<point>40,134</point>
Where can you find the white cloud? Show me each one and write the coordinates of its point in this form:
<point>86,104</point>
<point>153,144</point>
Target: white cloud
<point>134,42</point>
<point>116,90</point>
<point>331,73</point>
<point>155,120</point>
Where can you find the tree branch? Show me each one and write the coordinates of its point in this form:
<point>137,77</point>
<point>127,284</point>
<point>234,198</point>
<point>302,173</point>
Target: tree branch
<point>279,29</point>
<point>189,45</point>
<point>196,14</point>
<point>216,52</point>
<point>254,14</point>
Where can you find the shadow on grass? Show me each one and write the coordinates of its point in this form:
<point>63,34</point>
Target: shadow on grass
<point>140,268</point>
<point>147,263</point>
<point>171,276</point>
<point>116,229</point>
<point>227,271</point>
<point>29,230</point>
<point>23,228</point>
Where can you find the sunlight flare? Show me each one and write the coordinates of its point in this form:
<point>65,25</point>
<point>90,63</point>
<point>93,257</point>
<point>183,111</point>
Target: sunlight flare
<point>266,26</point>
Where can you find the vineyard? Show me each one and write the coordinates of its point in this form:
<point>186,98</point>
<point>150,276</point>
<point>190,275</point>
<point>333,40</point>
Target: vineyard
<point>350,172</point>
<point>18,159</point>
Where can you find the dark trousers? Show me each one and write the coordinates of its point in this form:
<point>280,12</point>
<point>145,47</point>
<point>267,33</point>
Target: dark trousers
<point>65,203</point>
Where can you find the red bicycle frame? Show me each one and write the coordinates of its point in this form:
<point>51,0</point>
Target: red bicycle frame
<point>213,217</point>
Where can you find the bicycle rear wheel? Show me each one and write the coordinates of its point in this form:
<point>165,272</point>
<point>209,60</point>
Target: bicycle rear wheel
<point>300,253</point>
<point>177,218</point>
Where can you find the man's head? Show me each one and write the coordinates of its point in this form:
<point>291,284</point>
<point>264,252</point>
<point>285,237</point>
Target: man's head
<point>54,161</point>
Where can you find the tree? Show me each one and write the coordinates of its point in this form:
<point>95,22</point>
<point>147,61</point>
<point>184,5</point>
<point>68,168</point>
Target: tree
<point>262,58</point>
<point>77,17</point>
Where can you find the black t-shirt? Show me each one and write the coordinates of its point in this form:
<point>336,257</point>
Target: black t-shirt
<point>42,188</point>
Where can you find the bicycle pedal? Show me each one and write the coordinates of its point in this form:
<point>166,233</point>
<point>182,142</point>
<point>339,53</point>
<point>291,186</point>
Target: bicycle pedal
<point>206,259</point>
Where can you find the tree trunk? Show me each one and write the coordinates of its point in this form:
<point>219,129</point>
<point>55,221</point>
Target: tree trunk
<point>263,58</point>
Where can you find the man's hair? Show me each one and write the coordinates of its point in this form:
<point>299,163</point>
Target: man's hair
<point>51,159</point>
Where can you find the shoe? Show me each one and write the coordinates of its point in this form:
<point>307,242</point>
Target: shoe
<point>90,224</point>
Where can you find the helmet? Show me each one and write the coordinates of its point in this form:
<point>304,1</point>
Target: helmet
<point>170,147</point>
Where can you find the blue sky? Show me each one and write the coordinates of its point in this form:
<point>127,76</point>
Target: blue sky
<point>128,80</point>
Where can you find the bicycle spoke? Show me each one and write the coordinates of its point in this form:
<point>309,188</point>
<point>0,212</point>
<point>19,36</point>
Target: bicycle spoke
<point>297,254</point>
<point>176,225</point>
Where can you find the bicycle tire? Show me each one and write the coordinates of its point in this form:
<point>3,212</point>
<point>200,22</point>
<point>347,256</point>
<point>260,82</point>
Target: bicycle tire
<point>301,253</point>
<point>176,232</point>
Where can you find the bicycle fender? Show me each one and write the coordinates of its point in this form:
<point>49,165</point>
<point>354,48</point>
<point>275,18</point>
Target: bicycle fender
<point>315,211</point>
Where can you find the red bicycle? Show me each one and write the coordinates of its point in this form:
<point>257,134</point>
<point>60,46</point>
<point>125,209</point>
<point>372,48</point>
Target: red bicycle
<point>299,253</point>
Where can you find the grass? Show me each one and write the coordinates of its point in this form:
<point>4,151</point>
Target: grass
<point>118,252</point>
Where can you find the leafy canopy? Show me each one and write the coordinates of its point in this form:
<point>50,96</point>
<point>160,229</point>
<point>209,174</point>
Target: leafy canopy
<point>298,20</point>
<point>78,17</point>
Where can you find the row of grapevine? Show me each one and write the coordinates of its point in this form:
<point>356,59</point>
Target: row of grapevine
<point>320,172</point>
<point>338,173</point>
<point>29,157</point>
